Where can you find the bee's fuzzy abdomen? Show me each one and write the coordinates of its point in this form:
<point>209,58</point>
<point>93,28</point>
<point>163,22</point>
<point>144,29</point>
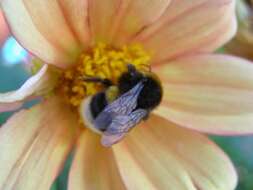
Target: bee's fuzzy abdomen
<point>98,103</point>
<point>151,94</point>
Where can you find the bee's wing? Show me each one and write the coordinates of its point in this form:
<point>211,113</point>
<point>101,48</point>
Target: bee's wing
<point>127,102</point>
<point>103,120</point>
<point>120,125</point>
<point>124,105</point>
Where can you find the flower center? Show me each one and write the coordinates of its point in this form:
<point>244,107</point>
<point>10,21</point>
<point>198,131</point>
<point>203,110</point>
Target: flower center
<point>102,62</point>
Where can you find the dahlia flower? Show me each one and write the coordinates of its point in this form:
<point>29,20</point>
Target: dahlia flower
<point>203,93</point>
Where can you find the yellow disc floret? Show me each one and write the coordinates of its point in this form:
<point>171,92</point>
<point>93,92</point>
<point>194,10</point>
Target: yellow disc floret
<point>101,62</point>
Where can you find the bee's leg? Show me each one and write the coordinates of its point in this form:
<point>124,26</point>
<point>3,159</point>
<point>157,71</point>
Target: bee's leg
<point>105,82</point>
<point>145,118</point>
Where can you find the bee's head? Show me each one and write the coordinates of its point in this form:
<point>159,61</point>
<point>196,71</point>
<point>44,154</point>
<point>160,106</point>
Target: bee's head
<point>151,94</point>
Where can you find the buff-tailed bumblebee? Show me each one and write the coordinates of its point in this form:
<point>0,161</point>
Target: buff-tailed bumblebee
<point>116,110</point>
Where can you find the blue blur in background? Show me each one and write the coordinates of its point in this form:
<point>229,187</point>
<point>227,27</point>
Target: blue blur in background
<point>12,52</point>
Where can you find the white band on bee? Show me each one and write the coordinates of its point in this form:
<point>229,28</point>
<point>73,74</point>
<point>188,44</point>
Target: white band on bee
<point>86,115</point>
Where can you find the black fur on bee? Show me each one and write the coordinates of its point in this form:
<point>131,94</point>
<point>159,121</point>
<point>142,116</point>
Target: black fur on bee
<point>151,94</point>
<point>149,97</point>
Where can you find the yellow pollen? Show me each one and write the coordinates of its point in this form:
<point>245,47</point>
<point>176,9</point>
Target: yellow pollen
<point>101,62</point>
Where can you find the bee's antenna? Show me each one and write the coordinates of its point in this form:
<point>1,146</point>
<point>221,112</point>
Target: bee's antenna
<point>105,82</point>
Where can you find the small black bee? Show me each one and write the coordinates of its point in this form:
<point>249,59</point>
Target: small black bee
<point>119,108</point>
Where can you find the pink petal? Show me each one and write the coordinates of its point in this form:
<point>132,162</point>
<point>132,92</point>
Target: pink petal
<point>94,167</point>
<point>39,84</point>
<point>190,26</point>
<point>6,107</point>
<point>40,26</point>
<point>3,29</point>
<point>34,144</point>
<point>160,155</point>
<point>209,93</point>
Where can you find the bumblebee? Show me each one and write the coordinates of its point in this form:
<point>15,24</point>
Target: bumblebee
<point>116,110</point>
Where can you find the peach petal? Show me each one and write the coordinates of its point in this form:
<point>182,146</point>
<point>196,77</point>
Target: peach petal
<point>41,28</point>
<point>34,144</point>
<point>94,166</point>
<point>101,16</point>
<point>188,27</point>
<point>133,16</point>
<point>160,155</point>
<point>209,93</point>
<point>39,84</point>
<point>76,13</point>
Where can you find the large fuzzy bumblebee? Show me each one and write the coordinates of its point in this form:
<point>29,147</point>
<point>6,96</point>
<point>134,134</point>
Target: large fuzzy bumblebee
<point>115,111</point>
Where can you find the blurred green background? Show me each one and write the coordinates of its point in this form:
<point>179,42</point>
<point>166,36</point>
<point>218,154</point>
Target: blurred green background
<point>13,75</point>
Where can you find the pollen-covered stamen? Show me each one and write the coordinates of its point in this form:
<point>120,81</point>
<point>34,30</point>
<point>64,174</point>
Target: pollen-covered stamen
<point>102,62</point>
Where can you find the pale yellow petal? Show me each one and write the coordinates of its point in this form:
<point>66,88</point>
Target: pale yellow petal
<point>94,167</point>
<point>34,144</point>
<point>209,93</point>
<point>160,155</point>
<point>240,124</point>
<point>40,26</point>
<point>39,84</point>
<point>188,27</point>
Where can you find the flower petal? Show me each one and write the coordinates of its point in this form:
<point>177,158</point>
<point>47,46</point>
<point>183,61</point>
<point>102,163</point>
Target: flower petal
<point>115,21</point>
<point>76,11</point>
<point>94,166</point>
<point>134,15</point>
<point>160,155</point>
<point>209,93</point>
<point>38,84</point>
<point>6,107</point>
<point>190,26</point>
<point>4,32</point>
<point>40,27</point>
<point>34,144</point>
<point>101,17</point>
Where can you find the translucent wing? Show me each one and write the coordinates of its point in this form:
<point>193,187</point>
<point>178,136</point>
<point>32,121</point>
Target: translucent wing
<point>124,105</point>
<point>127,102</point>
<point>120,125</point>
